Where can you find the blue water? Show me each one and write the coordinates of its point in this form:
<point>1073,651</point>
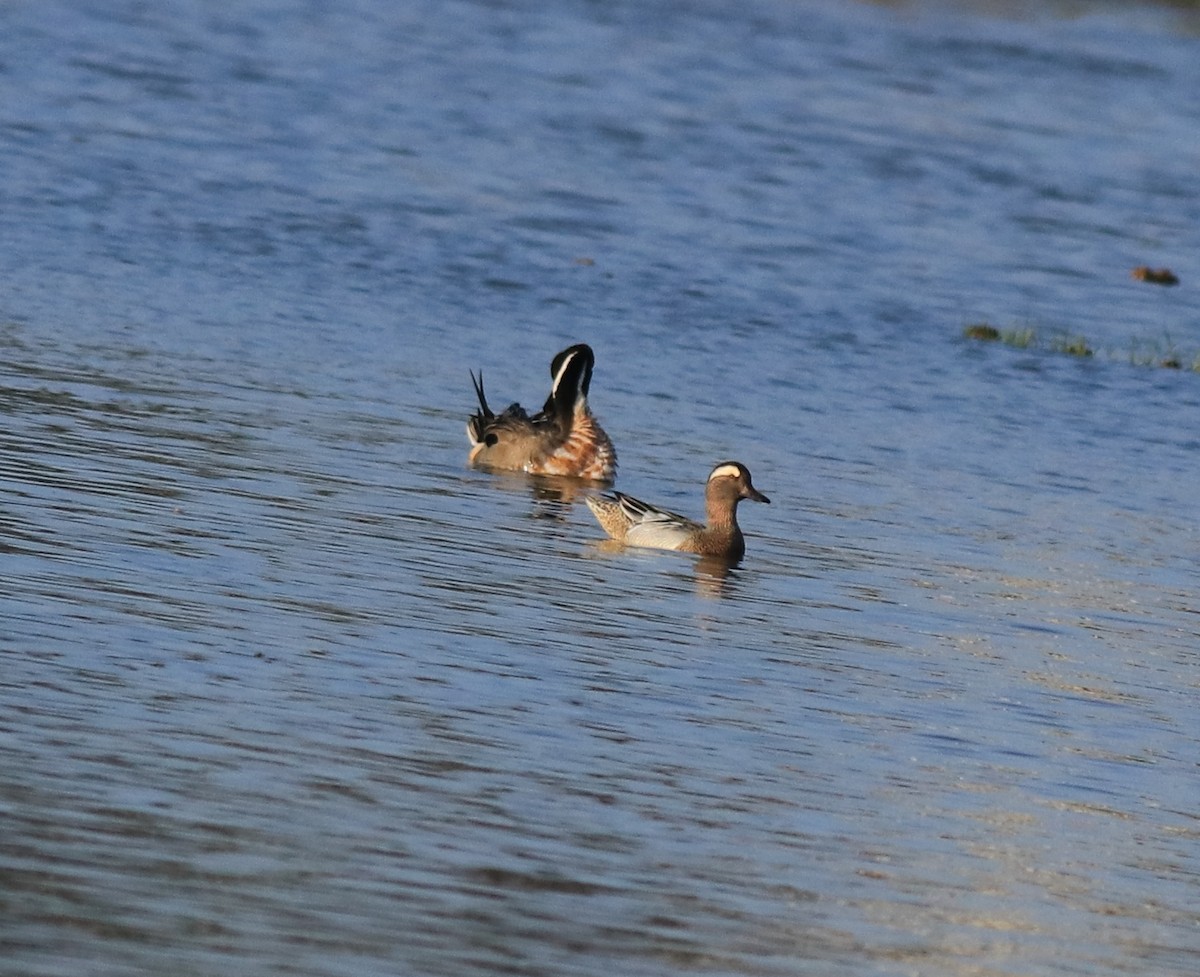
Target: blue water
<point>285,688</point>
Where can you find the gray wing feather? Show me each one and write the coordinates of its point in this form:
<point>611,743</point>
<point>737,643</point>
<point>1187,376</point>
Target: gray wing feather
<point>654,527</point>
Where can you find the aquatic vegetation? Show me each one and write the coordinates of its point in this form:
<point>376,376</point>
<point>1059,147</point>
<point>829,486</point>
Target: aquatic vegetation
<point>982,331</point>
<point>1071,345</point>
<point>1017,338</point>
<point>1020,338</point>
<point>1162,353</point>
<point>1142,352</point>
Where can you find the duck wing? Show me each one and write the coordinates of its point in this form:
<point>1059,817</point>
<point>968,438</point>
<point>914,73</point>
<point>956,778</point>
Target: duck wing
<point>655,527</point>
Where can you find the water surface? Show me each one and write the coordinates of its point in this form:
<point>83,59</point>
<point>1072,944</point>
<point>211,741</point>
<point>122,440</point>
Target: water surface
<point>287,689</point>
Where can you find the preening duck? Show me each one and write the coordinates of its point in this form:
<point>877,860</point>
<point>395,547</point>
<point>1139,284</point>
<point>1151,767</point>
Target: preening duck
<point>563,438</point>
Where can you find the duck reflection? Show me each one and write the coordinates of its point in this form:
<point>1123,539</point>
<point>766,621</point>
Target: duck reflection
<point>554,496</point>
<point>714,576</point>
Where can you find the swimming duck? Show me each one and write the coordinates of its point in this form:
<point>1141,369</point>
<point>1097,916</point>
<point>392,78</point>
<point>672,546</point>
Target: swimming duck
<point>563,438</point>
<point>638,523</point>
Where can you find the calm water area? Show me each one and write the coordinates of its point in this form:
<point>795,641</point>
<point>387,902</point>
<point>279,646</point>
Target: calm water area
<point>288,689</point>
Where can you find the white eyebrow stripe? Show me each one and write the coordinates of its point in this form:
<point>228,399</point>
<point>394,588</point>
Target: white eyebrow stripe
<point>726,471</point>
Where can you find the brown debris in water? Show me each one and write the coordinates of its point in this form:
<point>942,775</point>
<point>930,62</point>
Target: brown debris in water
<point>1155,276</point>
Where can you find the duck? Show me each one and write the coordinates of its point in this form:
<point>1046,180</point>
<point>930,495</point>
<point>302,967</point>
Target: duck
<point>636,523</point>
<point>563,438</point>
